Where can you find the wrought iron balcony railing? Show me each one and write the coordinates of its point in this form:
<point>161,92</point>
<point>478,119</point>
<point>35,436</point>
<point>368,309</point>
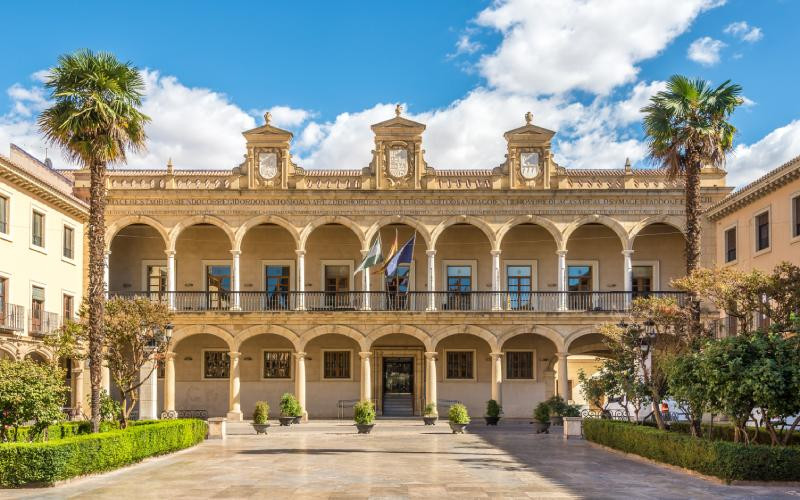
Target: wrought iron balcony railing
<point>12,317</point>
<point>43,322</point>
<point>391,301</point>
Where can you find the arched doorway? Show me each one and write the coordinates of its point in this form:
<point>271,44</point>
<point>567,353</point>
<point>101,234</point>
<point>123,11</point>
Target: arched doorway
<point>398,378</point>
<point>586,354</point>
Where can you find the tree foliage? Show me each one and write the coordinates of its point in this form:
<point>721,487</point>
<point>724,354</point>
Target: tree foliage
<point>30,392</point>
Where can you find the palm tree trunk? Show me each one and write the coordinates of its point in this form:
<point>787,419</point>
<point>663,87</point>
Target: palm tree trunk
<point>96,292</point>
<point>693,233</point>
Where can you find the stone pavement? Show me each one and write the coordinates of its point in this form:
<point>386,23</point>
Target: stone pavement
<point>401,458</point>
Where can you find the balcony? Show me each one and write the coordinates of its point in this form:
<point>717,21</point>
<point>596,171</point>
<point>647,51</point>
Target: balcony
<point>503,301</point>
<point>12,317</point>
<point>43,323</point>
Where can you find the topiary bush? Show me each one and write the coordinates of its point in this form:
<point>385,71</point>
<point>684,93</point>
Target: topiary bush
<point>458,414</point>
<point>429,411</point>
<point>364,412</point>
<point>722,459</point>
<point>542,413</point>
<point>48,462</point>
<point>290,407</point>
<point>261,412</point>
<point>493,408</point>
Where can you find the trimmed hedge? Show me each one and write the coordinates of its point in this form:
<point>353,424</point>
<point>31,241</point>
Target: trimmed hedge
<point>48,462</point>
<point>725,432</point>
<point>722,459</point>
<point>60,431</point>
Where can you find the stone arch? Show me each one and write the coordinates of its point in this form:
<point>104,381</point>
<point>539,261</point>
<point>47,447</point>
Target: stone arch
<point>550,334</point>
<point>318,331</point>
<point>186,332</point>
<point>409,330</point>
<point>120,224</point>
<point>253,331</point>
<point>483,333</point>
<point>399,219</point>
<point>547,224</point>
<point>44,355</point>
<point>241,232</point>
<point>463,219</point>
<point>590,349</point>
<point>331,219</point>
<point>7,352</point>
<point>605,220</point>
<point>176,231</point>
<point>580,332</point>
<point>670,220</point>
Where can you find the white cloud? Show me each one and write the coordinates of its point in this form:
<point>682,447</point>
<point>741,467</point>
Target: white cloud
<point>285,116</point>
<point>551,47</point>
<point>705,51</point>
<point>749,162</point>
<point>744,31</point>
<point>27,101</point>
<point>466,45</point>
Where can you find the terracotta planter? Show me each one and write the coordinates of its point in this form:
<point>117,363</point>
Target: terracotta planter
<point>492,420</point>
<point>555,420</point>
<point>457,428</point>
<point>286,421</point>
<point>261,428</point>
<point>365,428</point>
<point>430,420</point>
<point>541,427</point>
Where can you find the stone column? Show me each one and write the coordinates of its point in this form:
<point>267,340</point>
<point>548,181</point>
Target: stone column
<point>431,279</point>
<point>497,376</point>
<point>366,376</point>
<point>365,283</point>
<point>78,394</point>
<point>106,278</point>
<point>430,381</point>
<point>237,303</point>
<point>497,303</point>
<point>169,381</point>
<point>148,391</point>
<point>300,382</point>
<point>171,279</point>
<point>562,280</point>
<point>235,412</point>
<point>563,375</point>
<point>627,276</point>
<point>301,279</point>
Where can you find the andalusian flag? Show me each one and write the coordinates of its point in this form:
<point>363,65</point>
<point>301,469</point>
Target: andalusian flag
<point>392,251</point>
<point>373,258</point>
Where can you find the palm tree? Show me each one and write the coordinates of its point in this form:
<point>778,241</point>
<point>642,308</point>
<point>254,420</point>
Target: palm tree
<point>687,129</point>
<point>95,120</point>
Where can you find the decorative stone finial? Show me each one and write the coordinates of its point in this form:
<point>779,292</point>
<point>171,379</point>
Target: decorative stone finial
<point>528,118</point>
<point>398,110</point>
<point>628,165</point>
<point>169,166</point>
<point>267,117</point>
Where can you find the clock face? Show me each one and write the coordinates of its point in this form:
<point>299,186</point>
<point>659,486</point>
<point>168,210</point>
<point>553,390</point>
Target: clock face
<point>267,165</point>
<point>529,165</point>
<point>398,162</point>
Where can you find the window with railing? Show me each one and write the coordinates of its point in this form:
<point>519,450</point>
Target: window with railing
<point>397,287</point>
<point>37,309</point>
<point>730,245</point>
<point>642,280</point>
<point>68,309</point>
<point>4,204</point>
<point>519,365</point>
<point>277,364</point>
<point>216,364</point>
<point>579,279</point>
<point>69,242</point>
<point>336,364</point>
<point>156,281</point>
<point>460,365</point>
<point>337,286</point>
<point>519,281</point>
<point>459,286</point>
<point>218,285</point>
<point>276,285</point>
<point>3,300</point>
<point>796,216</point>
<point>37,229</point>
<point>762,231</point>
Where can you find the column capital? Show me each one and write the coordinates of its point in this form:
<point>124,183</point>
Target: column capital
<point>300,253</point>
<point>496,355</point>
<point>236,253</point>
<point>365,354</point>
<point>495,253</point>
<point>300,355</point>
<point>170,355</point>
<point>234,354</point>
<point>431,355</point>
<point>562,355</point>
<point>561,252</point>
<point>627,252</point>
<point>77,371</point>
<point>430,253</point>
<point>107,253</point>
<point>170,253</point>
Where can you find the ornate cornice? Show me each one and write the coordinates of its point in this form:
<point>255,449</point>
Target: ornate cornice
<point>44,190</point>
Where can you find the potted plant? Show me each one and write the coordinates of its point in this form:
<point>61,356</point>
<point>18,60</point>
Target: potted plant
<point>541,418</point>
<point>458,418</point>
<point>288,409</point>
<point>364,415</point>
<point>558,408</point>
<point>429,414</point>
<point>298,413</point>
<point>493,411</point>
<point>261,417</point>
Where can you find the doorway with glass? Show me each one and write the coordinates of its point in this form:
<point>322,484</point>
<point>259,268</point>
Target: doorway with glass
<point>398,386</point>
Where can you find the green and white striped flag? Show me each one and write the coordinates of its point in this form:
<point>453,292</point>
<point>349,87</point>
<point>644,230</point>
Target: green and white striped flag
<point>373,258</point>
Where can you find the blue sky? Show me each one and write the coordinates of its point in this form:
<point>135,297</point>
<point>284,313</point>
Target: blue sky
<point>467,68</point>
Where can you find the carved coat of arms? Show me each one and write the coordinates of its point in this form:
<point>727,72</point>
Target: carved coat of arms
<point>398,163</point>
<point>267,165</point>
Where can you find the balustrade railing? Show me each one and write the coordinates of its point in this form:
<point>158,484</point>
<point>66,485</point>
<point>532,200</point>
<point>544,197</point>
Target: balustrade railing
<point>12,317</point>
<point>43,322</point>
<point>390,301</point>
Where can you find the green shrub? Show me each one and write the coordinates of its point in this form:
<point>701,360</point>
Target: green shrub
<point>725,432</point>
<point>493,408</point>
<point>430,410</point>
<point>59,431</point>
<point>110,409</point>
<point>261,412</point>
<point>558,407</point>
<point>364,412</point>
<point>46,463</point>
<point>290,407</point>
<point>542,413</point>
<point>458,414</point>
<point>728,461</point>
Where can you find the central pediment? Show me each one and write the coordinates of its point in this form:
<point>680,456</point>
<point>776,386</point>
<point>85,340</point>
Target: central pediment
<point>398,123</point>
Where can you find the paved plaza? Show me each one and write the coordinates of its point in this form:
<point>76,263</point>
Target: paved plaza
<point>401,458</point>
